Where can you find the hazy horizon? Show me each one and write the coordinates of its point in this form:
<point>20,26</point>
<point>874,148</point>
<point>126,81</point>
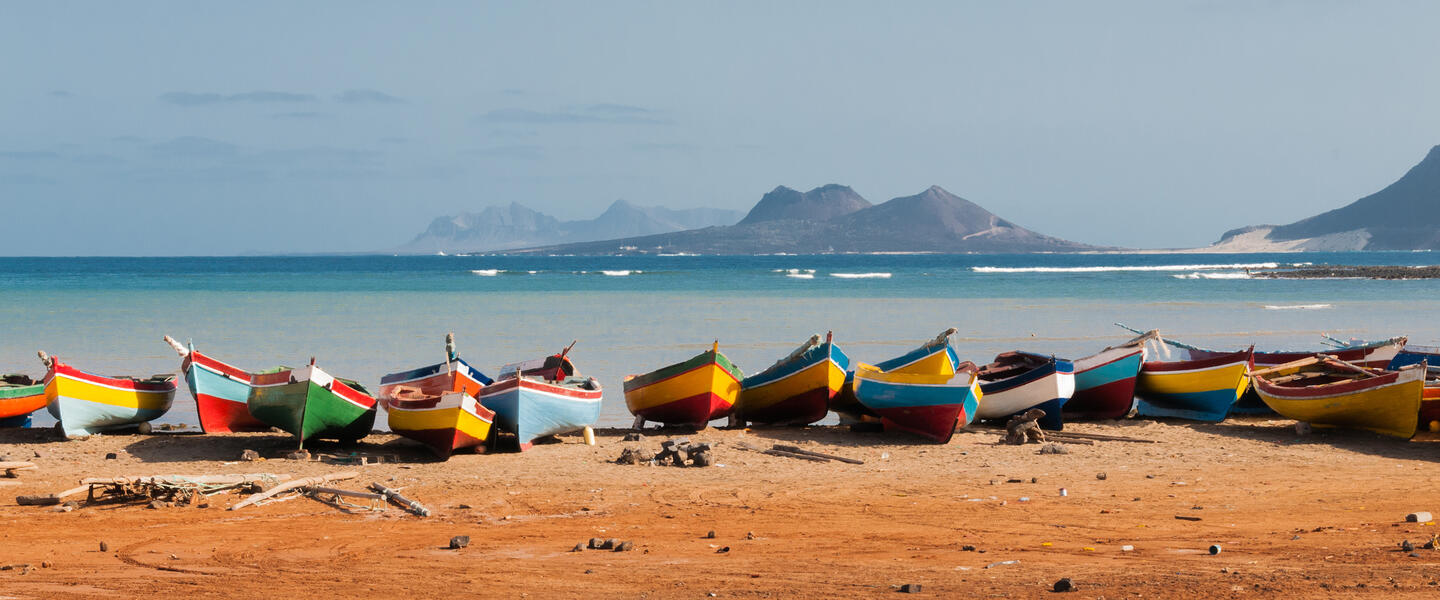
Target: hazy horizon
<point>164,128</point>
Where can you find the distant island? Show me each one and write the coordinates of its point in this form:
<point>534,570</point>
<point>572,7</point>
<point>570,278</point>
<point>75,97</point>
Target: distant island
<point>515,226</point>
<point>1403,216</point>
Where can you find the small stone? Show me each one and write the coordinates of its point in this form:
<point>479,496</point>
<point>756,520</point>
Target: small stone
<point>112,455</point>
<point>42,454</point>
<point>625,546</point>
<point>749,535</point>
<point>710,535</point>
<point>1293,538</point>
<point>1214,549</point>
<point>589,571</point>
<point>578,547</point>
<point>61,508</point>
<point>967,548</point>
<point>463,506</point>
<point>45,564</point>
<point>610,544</point>
<point>633,437</point>
<point>1418,517</point>
<point>1406,546</point>
<point>249,455</point>
<point>301,454</point>
<point>1101,476</point>
<point>459,541</point>
<point>1034,480</point>
<point>910,588</point>
<point>1414,555</point>
<point>723,550</point>
<point>1127,548</point>
<point>703,458</point>
<point>156,504</point>
<point>1303,428</point>
<point>104,547</point>
<point>596,543</point>
<point>1064,585</point>
<point>1054,449</point>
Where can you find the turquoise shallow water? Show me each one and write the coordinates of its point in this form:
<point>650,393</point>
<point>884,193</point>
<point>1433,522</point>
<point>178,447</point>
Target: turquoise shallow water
<point>362,317</point>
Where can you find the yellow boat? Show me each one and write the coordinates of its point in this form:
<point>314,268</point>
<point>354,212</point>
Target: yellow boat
<point>1328,392</point>
<point>693,392</point>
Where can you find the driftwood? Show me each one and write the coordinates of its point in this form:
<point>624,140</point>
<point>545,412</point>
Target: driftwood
<point>295,484</point>
<point>799,450</point>
<point>405,503</point>
<point>13,468</point>
<point>1024,428</point>
<point>339,492</point>
<point>1097,436</point>
<point>48,499</point>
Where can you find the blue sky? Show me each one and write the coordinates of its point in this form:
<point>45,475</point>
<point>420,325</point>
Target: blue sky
<point>208,128</point>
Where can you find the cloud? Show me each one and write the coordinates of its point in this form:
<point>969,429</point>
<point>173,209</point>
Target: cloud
<point>520,152</point>
<point>595,113</point>
<point>257,97</point>
<point>665,148</point>
<point>300,115</point>
<point>367,97</point>
<point>513,92</point>
<point>194,147</point>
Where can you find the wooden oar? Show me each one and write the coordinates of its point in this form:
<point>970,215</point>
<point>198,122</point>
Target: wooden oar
<point>799,450</point>
<point>298,483</point>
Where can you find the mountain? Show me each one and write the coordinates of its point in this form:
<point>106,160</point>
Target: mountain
<point>834,218</point>
<point>1403,216</point>
<point>819,204</point>
<point>515,226</point>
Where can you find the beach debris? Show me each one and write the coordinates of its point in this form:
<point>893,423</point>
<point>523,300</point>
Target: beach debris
<point>625,546</point>
<point>596,543</point>
<point>749,535</point>
<point>1214,549</point>
<point>1054,449</point>
<point>635,456</point>
<point>1064,584</point>
<point>301,454</point>
<point>460,541</point>
<point>1418,517</point>
<point>1002,563</point>
<point>579,547</point>
<point>1127,548</point>
<point>394,496</point>
<point>589,435</point>
<point>723,550</point>
<point>13,468</point>
<point>633,437</point>
<point>1024,428</point>
<point>297,484</point>
<point>1064,492</point>
<point>910,588</point>
<point>1406,546</point>
<point>104,547</point>
<point>1101,476</point>
<point>799,450</point>
<point>967,548</point>
<point>1186,518</point>
<point>114,455</point>
<point>250,455</point>
<point>710,535</point>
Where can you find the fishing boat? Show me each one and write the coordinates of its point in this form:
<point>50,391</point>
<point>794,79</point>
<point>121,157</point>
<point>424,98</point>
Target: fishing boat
<point>1019,381</point>
<point>534,399</point>
<point>1199,389</point>
<point>930,405</point>
<point>85,403</point>
<point>1105,382</point>
<point>935,357</point>
<point>1326,391</point>
<point>1429,356</point>
<point>436,405</point>
<point>693,392</point>
<point>19,396</point>
<point>797,389</point>
<point>312,404</point>
<point>221,391</point>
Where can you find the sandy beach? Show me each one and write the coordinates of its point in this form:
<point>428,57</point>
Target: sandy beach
<point>1315,515</point>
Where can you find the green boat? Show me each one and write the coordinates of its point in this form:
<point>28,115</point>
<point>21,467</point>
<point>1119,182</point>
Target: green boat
<point>311,404</point>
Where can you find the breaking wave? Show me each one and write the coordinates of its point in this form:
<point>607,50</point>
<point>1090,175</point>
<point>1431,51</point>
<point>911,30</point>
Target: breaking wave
<point>1121,268</point>
<point>1198,275</point>
<point>861,275</point>
<point>487,272</point>
<point>1297,306</point>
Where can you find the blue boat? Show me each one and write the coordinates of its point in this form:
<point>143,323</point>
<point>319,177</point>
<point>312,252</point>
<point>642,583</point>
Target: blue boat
<point>546,398</point>
<point>1019,381</point>
<point>925,404</point>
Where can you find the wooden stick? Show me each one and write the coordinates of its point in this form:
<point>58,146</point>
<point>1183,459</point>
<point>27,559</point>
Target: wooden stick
<point>1098,436</point>
<point>406,503</point>
<point>1332,359</point>
<point>338,492</point>
<point>1295,364</point>
<point>47,499</point>
<point>298,483</point>
<point>794,455</point>
<point>17,466</point>
<point>799,450</point>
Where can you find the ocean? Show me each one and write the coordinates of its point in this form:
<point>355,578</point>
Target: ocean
<point>363,316</point>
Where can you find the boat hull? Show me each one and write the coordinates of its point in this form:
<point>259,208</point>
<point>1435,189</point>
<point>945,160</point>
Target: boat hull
<point>930,359</point>
<point>1047,387</point>
<point>86,404</point>
<point>18,401</point>
<point>796,392</point>
<point>221,394</point>
<point>933,406</point>
<point>1105,384</point>
<point>693,392</point>
<point>531,408</point>
<point>310,404</point>
<point>1388,404</point>
<point>1198,390</point>
<point>446,424</point>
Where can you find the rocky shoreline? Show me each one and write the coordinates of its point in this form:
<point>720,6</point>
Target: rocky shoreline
<point>1350,272</point>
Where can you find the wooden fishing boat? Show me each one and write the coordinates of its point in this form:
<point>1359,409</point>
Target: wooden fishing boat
<point>1019,381</point>
<point>221,391</point>
<point>1429,356</point>
<point>436,405</point>
<point>925,404</point>
<point>312,404</point>
<point>1199,389</point>
<point>1326,391</point>
<point>542,397</point>
<point>19,396</point>
<point>935,357</point>
<point>693,392</point>
<point>797,389</point>
<point>85,403</point>
<point>1105,381</point>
